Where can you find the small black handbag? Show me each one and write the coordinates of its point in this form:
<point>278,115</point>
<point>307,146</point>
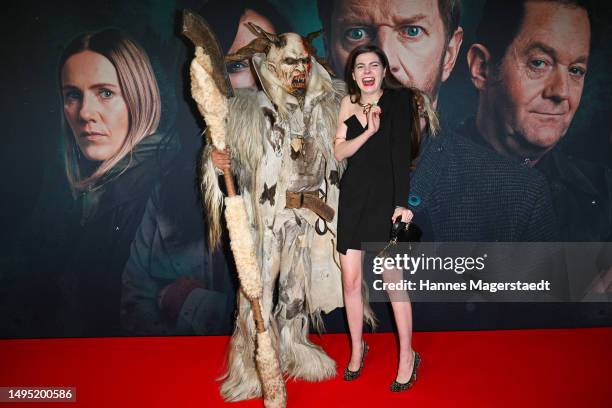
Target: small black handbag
<point>401,232</point>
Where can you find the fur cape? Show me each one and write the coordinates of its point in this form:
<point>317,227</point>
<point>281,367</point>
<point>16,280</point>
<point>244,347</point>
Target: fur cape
<point>251,117</point>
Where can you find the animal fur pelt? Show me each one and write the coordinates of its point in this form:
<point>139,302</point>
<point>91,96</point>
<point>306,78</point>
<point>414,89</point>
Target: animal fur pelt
<point>260,127</point>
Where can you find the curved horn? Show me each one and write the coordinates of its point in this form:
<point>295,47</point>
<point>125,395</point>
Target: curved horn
<point>255,46</point>
<point>313,35</point>
<point>261,33</point>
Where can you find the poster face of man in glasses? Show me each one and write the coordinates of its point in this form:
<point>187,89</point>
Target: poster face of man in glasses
<point>421,38</point>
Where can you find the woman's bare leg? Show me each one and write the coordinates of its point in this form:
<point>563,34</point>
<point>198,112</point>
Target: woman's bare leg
<point>402,312</point>
<point>351,264</point>
<point>403,319</point>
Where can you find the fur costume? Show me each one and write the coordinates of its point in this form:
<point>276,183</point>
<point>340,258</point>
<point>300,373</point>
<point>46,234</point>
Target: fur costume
<point>279,143</point>
<point>288,246</point>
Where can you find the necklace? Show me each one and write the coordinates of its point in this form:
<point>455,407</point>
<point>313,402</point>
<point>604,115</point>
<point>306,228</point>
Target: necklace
<point>368,106</point>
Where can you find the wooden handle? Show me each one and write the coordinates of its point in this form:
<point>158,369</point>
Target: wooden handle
<point>229,182</point>
<point>259,323</point>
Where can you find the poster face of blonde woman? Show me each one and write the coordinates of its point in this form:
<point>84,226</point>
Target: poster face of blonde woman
<point>93,105</point>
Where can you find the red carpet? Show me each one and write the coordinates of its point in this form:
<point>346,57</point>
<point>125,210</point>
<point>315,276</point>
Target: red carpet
<point>524,368</point>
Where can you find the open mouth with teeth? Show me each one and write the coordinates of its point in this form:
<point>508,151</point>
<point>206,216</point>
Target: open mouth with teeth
<point>368,81</point>
<point>298,81</point>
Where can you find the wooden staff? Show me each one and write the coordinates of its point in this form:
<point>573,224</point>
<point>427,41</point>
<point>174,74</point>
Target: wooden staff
<point>210,89</point>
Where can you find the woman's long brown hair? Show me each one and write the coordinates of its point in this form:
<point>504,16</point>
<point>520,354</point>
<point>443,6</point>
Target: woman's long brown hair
<point>389,82</point>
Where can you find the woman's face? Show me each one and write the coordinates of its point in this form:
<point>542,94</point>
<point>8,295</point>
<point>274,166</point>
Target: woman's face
<point>93,105</point>
<point>368,72</point>
<point>240,73</point>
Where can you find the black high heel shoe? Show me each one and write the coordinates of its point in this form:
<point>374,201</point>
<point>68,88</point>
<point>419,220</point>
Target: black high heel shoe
<point>353,375</point>
<point>399,387</point>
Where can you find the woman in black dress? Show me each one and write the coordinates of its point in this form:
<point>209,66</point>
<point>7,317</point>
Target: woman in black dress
<point>377,121</point>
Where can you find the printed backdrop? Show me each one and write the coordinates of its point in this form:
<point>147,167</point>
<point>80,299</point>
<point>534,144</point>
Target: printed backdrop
<point>34,186</point>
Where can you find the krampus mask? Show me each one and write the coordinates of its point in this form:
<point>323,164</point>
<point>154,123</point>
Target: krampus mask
<point>287,58</point>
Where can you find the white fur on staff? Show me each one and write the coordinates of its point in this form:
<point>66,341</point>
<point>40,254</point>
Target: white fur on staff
<point>212,104</point>
<point>275,395</point>
<point>243,248</point>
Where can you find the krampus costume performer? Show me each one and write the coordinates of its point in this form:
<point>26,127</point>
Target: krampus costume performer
<point>281,144</point>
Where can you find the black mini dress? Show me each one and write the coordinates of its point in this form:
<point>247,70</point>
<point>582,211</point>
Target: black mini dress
<point>377,178</point>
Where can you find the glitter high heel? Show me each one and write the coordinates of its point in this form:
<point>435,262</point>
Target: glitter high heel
<point>353,375</point>
<point>399,387</point>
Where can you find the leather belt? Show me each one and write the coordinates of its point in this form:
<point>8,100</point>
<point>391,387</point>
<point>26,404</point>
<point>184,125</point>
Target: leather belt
<point>311,201</point>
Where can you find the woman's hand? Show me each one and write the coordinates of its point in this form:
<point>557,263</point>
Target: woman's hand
<point>373,117</point>
<point>403,212</point>
<point>221,159</point>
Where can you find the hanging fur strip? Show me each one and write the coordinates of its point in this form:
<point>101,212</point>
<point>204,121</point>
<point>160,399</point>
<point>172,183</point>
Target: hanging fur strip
<point>244,137</point>
<point>212,197</point>
<point>212,104</point>
<point>427,112</point>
